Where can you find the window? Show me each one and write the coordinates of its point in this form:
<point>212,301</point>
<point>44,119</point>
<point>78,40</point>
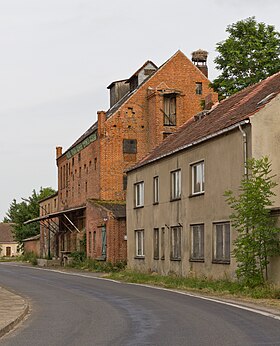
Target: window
<point>139,194</point>
<point>197,242</point>
<point>124,182</point>
<point>156,189</point>
<point>176,184</point>
<point>129,146</point>
<point>139,242</point>
<point>198,178</point>
<point>162,243</point>
<point>79,157</point>
<point>156,243</point>
<point>175,243</point>
<point>94,240</point>
<point>169,110</point>
<point>89,242</point>
<point>198,88</point>
<point>222,242</point>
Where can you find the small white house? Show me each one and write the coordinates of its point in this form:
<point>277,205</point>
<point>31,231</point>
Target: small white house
<point>8,246</point>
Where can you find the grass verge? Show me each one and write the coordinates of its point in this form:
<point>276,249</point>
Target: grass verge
<point>212,287</point>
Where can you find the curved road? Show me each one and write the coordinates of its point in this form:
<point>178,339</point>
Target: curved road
<point>70,309</point>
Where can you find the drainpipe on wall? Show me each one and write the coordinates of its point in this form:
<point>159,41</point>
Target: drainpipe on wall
<point>245,153</point>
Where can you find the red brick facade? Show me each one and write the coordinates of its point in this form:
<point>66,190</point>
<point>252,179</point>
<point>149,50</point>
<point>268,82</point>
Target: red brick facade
<point>93,168</point>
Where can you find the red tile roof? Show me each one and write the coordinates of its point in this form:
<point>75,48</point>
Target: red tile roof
<point>6,234</point>
<point>225,115</point>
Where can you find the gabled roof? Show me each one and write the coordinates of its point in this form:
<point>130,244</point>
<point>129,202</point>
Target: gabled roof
<point>6,233</point>
<point>118,104</point>
<point>226,115</point>
<point>141,68</point>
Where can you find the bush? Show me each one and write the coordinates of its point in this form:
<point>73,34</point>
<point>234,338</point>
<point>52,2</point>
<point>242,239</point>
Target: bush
<point>29,257</point>
<point>81,262</point>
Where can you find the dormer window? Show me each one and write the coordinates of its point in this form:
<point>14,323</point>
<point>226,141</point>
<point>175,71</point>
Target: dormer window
<point>169,110</point>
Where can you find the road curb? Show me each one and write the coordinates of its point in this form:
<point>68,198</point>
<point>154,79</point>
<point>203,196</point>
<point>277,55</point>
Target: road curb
<point>19,316</point>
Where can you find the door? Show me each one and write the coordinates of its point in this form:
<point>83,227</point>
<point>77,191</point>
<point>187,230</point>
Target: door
<point>104,244</point>
<point>8,251</point>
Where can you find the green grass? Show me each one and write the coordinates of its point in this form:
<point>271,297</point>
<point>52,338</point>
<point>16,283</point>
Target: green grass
<point>218,287</point>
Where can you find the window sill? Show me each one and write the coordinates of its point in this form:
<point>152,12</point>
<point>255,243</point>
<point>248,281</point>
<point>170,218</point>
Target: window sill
<point>171,125</point>
<point>175,199</point>
<point>175,259</point>
<point>201,260</point>
<point>196,194</point>
<point>156,203</point>
<point>221,261</point>
<point>139,207</point>
<point>156,258</point>
<point>139,257</point>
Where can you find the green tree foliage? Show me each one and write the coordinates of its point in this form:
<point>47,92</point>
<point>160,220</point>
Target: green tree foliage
<point>25,210</point>
<point>258,238</point>
<point>250,53</point>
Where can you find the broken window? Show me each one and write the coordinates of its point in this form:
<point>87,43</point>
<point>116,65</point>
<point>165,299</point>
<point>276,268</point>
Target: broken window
<point>169,110</point>
<point>129,146</point>
<point>198,88</point>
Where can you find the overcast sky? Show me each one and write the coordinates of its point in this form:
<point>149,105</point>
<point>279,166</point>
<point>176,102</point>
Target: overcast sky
<point>58,56</point>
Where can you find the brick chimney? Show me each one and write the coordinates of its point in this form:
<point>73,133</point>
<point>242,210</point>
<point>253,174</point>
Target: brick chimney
<point>58,152</point>
<point>101,116</point>
<point>199,58</point>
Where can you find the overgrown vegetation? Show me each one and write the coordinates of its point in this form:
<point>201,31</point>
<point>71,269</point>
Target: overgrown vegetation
<point>258,237</point>
<point>79,261</point>
<point>29,257</point>
<point>203,285</point>
<point>28,208</point>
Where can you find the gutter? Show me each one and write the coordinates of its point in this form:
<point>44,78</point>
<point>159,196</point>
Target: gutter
<point>203,139</point>
<point>245,154</point>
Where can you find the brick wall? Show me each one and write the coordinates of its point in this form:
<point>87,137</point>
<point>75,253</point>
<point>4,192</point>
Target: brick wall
<point>97,171</point>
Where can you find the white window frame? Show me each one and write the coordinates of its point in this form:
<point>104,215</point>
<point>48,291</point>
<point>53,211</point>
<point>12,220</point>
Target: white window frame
<point>176,184</point>
<point>139,194</point>
<point>198,178</point>
<point>221,255</point>
<point>197,242</point>
<point>156,189</point>
<point>139,243</point>
<point>175,243</point>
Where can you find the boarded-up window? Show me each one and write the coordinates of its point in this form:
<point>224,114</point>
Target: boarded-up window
<point>129,146</point>
<point>169,110</point>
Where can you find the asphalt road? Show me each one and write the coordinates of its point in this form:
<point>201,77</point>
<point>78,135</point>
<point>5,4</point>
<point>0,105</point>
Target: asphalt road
<point>79,311</point>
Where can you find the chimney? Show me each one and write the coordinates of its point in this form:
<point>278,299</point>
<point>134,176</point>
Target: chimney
<point>58,152</point>
<point>101,116</point>
<point>199,58</point>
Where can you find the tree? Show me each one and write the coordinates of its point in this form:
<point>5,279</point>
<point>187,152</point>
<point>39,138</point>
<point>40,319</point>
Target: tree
<point>28,209</point>
<point>250,54</point>
<point>257,237</point>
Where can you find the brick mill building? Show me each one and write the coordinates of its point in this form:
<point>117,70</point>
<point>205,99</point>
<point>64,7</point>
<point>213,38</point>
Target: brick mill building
<point>144,110</point>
